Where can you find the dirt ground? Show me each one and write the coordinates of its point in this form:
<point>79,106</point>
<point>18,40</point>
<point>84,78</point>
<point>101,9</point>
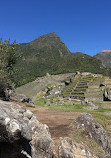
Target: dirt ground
<point>60,123</point>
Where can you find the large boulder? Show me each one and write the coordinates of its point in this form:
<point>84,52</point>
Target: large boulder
<point>22,135</point>
<point>96,131</point>
<point>68,149</point>
<point>9,94</point>
<point>42,144</point>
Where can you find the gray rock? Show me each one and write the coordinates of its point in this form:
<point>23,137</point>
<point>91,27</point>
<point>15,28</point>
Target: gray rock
<point>91,106</point>
<point>77,73</point>
<point>102,84</point>
<point>55,90</point>
<point>68,149</point>
<point>65,149</point>
<point>107,94</point>
<point>96,131</point>
<point>22,135</point>
<point>42,144</point>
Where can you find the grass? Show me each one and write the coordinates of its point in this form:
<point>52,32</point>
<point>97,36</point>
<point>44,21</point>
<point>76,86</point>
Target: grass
<point>71,95</point>
<point>98,114</point>
<point>102,110</point>
<point>93,95</point>
<point>75,101</point>
<point>39,103</point>
<point>104,120</point>
<point>34,111</point>
<point>103,102</point>
<point>76,108</point>
<point>42,99</point>
<point>81,136</point>
<point>50,97</point>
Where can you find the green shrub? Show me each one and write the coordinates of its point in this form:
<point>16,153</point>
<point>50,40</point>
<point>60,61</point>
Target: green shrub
<point>7,60</point>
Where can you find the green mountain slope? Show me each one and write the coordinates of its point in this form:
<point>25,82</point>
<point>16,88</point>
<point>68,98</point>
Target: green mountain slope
<point>49,54</point>
<point>105,57</point>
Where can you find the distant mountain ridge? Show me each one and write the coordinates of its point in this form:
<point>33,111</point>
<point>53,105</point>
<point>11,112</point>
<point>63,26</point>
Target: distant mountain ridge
<point>49,54</point>
<point>105,57</point>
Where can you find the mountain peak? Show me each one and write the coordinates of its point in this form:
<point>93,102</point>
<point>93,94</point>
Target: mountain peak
<point>49,35</point>
<point>105,51</point>
<point>52,34</point>
<point>105,57</point>
<point>51,42</point>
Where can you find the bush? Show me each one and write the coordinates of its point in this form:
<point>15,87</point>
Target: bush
<point>7,60</point>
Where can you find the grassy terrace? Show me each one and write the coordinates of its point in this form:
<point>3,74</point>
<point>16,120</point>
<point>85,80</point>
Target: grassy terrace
<point>81,136</point>
<point>69,108</point>
<point>99,114</point>
<point>102,114</point>
<point>78,87</point>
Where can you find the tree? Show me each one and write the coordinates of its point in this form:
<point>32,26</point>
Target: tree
<point>7,60</point>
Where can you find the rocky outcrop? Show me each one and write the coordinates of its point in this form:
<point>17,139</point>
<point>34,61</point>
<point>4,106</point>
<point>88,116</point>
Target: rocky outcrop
<point>55,90</point>
<point>9,94</point>
<point>91,105</point>
<point>22,135</point>
<point>20,98</point>
<point>96,131</point>
<point>105,57</point>
<point>47,85</point>
<point>67,149</point>
<point>42,144</point>
<point>107,94</point>
<point>102,84</point>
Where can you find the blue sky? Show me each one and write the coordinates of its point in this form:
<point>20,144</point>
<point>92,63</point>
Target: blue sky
<point>83,25</point>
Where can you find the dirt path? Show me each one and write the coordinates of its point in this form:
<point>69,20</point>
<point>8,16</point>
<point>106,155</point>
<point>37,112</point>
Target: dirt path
<point>59,123</point>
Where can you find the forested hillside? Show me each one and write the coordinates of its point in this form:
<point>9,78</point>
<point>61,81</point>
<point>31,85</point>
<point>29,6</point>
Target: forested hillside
<point>49,54</point>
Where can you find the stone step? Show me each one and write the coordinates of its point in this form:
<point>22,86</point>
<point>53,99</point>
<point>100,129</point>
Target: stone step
<point>80,87</point>
<point>66,93</point>
<point>92,90</point>
<point>74,97</point>
<point>107,79</point>
<point>94,98</point>
<point>86,81</point>
<point>83,82</point>
<point>93,86</point>
<point>108,86</point>
<point>77,93</point>
<point>108,82</point>
<point>94,83</point>
<point>103,104</point>
<point>78,90</point>
<point>93,93</point>
<point>87,87</point>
